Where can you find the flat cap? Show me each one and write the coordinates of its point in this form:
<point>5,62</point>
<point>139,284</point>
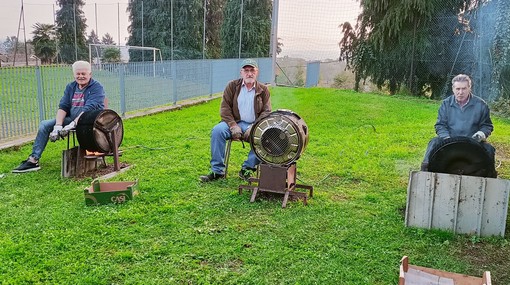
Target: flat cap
<point>250,62</point>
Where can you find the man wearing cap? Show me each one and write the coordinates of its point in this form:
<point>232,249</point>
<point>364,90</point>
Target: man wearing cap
<point>244,101</point>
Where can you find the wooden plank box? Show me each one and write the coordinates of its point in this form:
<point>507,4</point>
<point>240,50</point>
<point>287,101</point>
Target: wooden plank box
<point>100,193</point>
<point>462,204</point>
<point>418,275</point>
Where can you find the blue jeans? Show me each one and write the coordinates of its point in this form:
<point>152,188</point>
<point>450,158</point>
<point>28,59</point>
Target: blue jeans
<point>219,136</point>
<point>45,128</point>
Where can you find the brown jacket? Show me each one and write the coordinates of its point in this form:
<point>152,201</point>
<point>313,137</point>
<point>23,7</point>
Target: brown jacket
<point>229,111</point>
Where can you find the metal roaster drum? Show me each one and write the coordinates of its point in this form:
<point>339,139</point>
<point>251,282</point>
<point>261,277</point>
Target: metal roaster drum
<point>95,127</point>
<point>279,138</point>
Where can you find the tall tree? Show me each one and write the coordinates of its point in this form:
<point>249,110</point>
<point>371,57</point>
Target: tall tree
<point>96,52</point>
<point>44,42</point>
<point>71,30</point>
<point>390,37</point>
<point>255,28</point>
<point>93,38</point>
<point>10,45</point>
<point>157,27</point>
<point>107,39</point>
<point>501,53</point>
<point>188,33</point>
<point>213,22</point>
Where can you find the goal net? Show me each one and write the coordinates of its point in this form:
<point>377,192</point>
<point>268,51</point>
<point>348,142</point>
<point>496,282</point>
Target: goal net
<point>103,53</point>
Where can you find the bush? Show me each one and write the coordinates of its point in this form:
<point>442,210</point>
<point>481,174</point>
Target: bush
<point>501,107</point>
<point>339,81</point>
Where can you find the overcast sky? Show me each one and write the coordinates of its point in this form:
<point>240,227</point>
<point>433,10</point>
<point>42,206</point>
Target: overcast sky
<point>303,25</point>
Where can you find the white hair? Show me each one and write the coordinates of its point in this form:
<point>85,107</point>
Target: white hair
<point>462,78</point>
<point>80,64</point>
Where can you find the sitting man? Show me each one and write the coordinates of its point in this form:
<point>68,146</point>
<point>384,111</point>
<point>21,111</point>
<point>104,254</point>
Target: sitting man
<point>82,95</point>
<point>462,115</point>
<point>244,101</point>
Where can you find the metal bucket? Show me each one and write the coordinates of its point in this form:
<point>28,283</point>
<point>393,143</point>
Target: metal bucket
<point>279,138</point>
<point>97,130</point>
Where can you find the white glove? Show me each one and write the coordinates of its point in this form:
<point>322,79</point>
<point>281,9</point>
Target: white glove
<point>479,136</point>
<point>67,128</point>
<point>55,133</point>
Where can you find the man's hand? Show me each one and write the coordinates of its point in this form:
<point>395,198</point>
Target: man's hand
<point>236,132</point>
<point>479,136</point>
<point>54,135</point>
<point>67,128</point>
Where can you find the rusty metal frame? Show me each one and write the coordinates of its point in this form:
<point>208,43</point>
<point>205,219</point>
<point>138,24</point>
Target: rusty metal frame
<point>280,180</point>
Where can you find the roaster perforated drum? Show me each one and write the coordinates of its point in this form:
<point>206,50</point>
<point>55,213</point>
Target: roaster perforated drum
<point>279,138</point>
<point>95,127</point>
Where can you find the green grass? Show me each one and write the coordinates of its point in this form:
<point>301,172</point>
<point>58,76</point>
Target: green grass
<point>180,231</point>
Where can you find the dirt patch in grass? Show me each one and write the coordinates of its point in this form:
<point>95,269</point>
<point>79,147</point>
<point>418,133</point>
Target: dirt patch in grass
<point>102,171</point>
<point>482,253</point>
<point>502,160</point>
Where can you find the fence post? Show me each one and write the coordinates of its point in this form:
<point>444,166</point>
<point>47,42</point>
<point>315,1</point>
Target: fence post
<point>210,78</point>
<point>174,81</point>
<point>122,90</point>
<point>40,99</point>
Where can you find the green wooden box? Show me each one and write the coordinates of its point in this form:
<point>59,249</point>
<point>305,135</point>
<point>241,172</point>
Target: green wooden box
<point>101,193</point>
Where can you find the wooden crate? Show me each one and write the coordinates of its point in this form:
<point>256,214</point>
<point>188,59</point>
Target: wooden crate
<point>462,204</point>
<point>418,275</point>
<point>100,193</point>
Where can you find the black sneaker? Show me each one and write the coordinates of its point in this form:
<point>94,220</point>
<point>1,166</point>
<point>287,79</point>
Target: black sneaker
<point>26,166</point>
<point>211,177</point>
<point>246,173</point>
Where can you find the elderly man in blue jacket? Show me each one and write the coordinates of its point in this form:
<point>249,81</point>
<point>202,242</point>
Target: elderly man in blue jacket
<point>82,95</point>
<point>462,115</point>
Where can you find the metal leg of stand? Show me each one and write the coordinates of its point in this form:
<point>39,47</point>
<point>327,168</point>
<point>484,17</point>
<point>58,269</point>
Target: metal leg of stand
<point>115,150</point>
<point>254,194</point>
<point>227,156</point>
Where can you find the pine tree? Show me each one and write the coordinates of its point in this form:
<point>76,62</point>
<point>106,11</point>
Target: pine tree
<point>500,87</point>
<point>71,30</point>
<point>391,36</point>
<point>107,39</point>
<point>255,28</point>
<point>93,38</point>
<point>157,27</point>
<point>214,20</point>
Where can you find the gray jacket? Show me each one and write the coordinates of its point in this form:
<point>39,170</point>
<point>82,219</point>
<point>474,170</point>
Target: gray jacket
<point>452,121</point>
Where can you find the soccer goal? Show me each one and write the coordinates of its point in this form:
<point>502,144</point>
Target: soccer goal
<point>102,53</point>
<point>106,57</point>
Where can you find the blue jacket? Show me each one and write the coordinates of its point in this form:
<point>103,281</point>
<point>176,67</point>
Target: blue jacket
<point>94,98</point>
<point>452,121</point>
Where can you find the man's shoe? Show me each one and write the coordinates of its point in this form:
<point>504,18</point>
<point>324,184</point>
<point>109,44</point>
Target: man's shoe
<point>246,173</point>
<point>211,177</point>
<point>26,166</point>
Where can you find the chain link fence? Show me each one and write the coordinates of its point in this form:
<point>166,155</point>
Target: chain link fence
<point>31,94</point>
<point>308,31</point>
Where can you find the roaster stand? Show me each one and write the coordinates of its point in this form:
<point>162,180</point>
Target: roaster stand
<point>277,179</point>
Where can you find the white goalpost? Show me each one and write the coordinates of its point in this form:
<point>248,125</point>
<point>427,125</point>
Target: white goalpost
<point>97,59</point>
<point>155,51</point>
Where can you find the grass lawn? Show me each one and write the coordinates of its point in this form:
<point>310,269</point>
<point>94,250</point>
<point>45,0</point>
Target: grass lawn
<point>180,231</point>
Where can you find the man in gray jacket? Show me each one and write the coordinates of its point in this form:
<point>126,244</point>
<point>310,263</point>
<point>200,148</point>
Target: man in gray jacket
<point>462,115</point>
<point>244,101</point>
